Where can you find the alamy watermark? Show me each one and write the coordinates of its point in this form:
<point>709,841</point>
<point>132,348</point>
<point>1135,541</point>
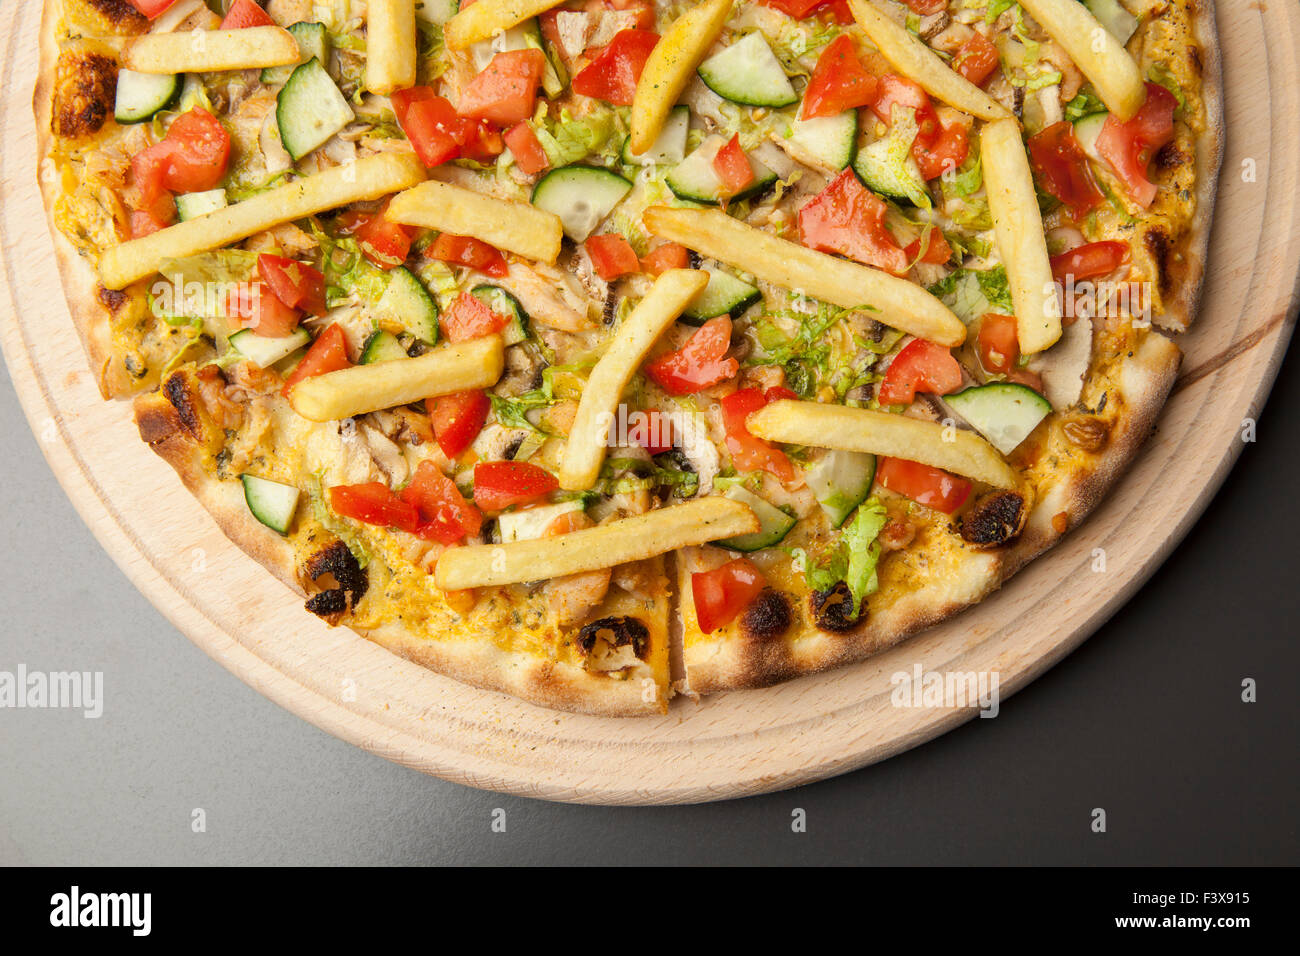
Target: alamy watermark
<point>922,688</point>
<point>61,690</point>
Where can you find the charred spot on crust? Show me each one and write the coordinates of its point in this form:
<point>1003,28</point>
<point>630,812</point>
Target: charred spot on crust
<point>1170,156</point>
<point>339,563</point>
<point>768,616</point>
<point>833,609</point>
<point>111,299</point>
<point>116,17</point>
<point>613,643</point>
<point>178,392</point>
<point>85,89</point>
<point>1157,243</point>
<point>994,519</point>
<point>120,13</point>
<point>1194,57</point>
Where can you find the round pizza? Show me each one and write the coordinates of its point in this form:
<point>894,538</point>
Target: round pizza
<point>604,351</point>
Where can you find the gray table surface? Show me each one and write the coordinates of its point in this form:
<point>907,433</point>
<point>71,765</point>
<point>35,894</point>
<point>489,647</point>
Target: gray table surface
<point>1145,720</point>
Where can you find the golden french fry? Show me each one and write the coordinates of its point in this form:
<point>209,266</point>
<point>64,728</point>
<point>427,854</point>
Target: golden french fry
<point>882,433</point>
<point>901,304</point>
<point>590,549</point>
<point>368,178</point>
<point>912,58</point>
<point>671,293</point>
<point>487,17</point>
<point>205,51</point>
<point>670,67</point>
<point>390,45</point>
<point>509,224</point>
<point>1018,228</point>
<point>1101,57</point>
<point>477,363</point>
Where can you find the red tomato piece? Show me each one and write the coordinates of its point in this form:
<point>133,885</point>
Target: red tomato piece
<point>644,10</point>
<point>925,485</point>
<point>1090,260</point>
<point>926,7</point>
<point>793,8</point>
<point>612,255</point>
<point>893,90</point>
<point>1129,147</point>
<point>505,92</point>
<point>527,149</point>
<point>296,284</point>
<point>748,452</point>
<point>152,8</point>
<point>443,513</point>
<point>937,250</point>
<point>192,157</point>
<point>837,10</point>
<point>500,484</point>
<point>998,344</point>
<point>429,122</point>
<point>613,72</point>
<point>920,366</point>
<point>847,218</point>
<point>470,318</point>
<point>470,252</point>
<point>457,419</point>
<point>721,594</point>
<point>374,503</point>
<point>328,353</point>
<point>946,151</point>
<point>384,243</point>
<point>976,59</point>
<point>699,363</point>
<point>245,13</point>
<point>1062,168</point>
<point>838,82</point>
<point>732,166</point>
<point>253,305</point>
<point>671,255</point>
<point>778,392</point>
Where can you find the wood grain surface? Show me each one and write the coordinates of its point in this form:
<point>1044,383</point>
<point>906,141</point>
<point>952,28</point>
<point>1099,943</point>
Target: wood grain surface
<point>726,745</point>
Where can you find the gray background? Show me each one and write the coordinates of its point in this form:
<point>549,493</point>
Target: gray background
<point>1145,720</point>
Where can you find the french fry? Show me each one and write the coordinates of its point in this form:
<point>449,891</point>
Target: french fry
<point>591,549</point>
<point>1018,229</point>
<point>368,178</point>
<point>508,224</point>
<point>206,51</point>
<point>850,285</point>
<point>882,433</point>
<point>477,363</point>
<point>487,17</point>
<point>670,67</point>
<point>390,45</point>
<point>916,61</point>
<point>1101,57</point>
<point>671,293</point>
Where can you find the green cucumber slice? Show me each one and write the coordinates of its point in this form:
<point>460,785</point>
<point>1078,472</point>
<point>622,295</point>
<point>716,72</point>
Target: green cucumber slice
<point>1003,412</point>
<point>749,73</point>
<point>1086,132</point>
<point>532,522</point>
<point>582,196</point>
<point>310,109</point>
<point>264,351</point>
<point>499,300</point>
<point>191,205</point>
<point>695,179</point>
<point>724,295</point>
<point>669,148</point>
<point>887,167</point>
<point>407,302</point>
<point>381,346</point>
<point>437,11</point>
<point>271,502</point>
<point>841,480</point>
<point>830,142</point>
<point>140,96</point>
<point>313,43</point>
<point>1111,14</point>
<point>773,523</point>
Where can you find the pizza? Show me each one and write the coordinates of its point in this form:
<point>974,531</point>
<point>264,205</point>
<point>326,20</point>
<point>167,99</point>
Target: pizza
<point>601,352</point>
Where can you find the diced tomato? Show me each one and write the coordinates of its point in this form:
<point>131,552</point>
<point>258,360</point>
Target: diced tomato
<point>838,82</point>
<point>470,252</point>
<point>149,220</point>
<point>457,419</point>
<point>1090,260</point>
<point>527,149</point>
<point>192,157</point>
<point>429,122</point>
<point>1062,168</point>
<point>836,10</point>
<point>847,218</point>
<point>644,11</point>
<point>152,8</point>
<point>500,484</point>
<point>976,58</point>
<point>384,242</point>
<point>245,13</point>
<point>671,255</point>
<point>749,452</point>
<point>699,363</point>
<point>893,90</point>
<point>921,366</point>
<point>443,513</point>
<point>998,344</point>
<point>470,318</point>
<point>374,503</point>
<point>937,250</point>
<point>926,7</point>
<point>947,151</point>
<point>932,487</point>
<point>652,431</point>
<point>296,284</point>
<point>505,92</point>
<point>793,8</point>
<point>612,255</point>
<point>1128,147</point>
<point>478,140</point>
<point>724,592</point>
<point>613,72</point>
<point>253,305</point>
<point>732,166</point>
<point>778,392</point>
<point>328,353</point>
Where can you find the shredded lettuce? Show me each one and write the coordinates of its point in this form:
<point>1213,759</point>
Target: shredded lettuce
<point>1084,104</point>
<point>568,139</point>
<point>860,540</point>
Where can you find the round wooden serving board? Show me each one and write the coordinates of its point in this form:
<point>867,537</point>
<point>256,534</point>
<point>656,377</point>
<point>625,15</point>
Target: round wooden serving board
<point>728,745</point>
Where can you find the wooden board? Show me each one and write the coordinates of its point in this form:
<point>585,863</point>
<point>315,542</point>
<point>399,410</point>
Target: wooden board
<point>727,745</point>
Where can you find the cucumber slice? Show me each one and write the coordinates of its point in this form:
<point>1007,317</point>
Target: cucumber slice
<point>1003,412</point>
<point>582,196</point>
<point>271,502</point>
<point>841,480</point>
<point>773,523</point>
<point>499,300</point>
<point>695,179</point>
<point>828,141</point>
<point>381,346</point>
<point>142,95</point>
<point>437,11</point>
<point>190,205</point>
<point>749,73</point>
<point>887,167</point>
<point>532,522</point>
<point>1086,132</point>
<point>724,295</point>
<point>313,43</point>
<point>264,351</point>
<point>669,148</point>
<point>1112,15</point>
<point>407,302</point>
<point>310,109</point>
